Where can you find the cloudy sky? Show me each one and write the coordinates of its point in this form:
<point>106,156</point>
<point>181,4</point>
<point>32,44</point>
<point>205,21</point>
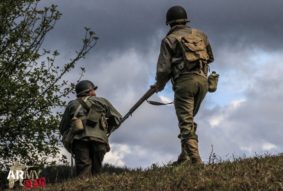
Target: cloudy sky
<point>243,118</point>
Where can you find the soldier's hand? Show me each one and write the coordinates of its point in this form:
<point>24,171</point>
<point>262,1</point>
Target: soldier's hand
<point>154,86</point>
<point>157,86</point>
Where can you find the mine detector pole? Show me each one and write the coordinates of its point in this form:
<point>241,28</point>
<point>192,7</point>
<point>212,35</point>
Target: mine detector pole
<point>147,94</point>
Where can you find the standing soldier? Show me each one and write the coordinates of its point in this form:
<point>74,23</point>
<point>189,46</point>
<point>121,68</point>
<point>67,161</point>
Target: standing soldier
<point>184,57</point>
<point>90,119</point>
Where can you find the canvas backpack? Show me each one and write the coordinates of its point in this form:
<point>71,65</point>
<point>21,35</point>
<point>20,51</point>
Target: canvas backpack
<point>193,46</point>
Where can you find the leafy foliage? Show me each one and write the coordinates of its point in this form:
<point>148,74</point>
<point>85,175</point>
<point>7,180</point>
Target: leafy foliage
<point>31,83</point>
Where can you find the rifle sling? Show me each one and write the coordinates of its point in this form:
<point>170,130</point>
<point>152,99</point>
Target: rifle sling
<point>84,104</point>
<point>156,103</point>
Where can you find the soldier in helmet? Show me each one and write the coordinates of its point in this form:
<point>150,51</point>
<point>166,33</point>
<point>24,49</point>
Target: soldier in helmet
<point>91,119</point>
<point>184,59</point>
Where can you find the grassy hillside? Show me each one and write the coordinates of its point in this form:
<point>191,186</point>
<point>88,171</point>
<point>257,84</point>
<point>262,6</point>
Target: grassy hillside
<point>259,174</point>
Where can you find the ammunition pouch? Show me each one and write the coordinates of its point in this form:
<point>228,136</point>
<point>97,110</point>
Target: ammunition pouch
<point>184,67</point>
<point>95,122</point>
<point>77,125</point>
<point>95,116</point>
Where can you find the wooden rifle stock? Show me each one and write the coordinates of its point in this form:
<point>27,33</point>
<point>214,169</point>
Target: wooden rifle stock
<point>147,94</point>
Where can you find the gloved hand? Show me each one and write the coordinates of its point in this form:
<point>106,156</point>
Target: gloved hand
<point>158,87</point>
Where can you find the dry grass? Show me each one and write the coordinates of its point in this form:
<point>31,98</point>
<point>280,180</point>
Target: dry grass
<point>258,174</point>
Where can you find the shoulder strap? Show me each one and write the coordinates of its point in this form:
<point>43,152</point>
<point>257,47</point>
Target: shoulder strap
<point>178,36</point>
<point>82,103</point>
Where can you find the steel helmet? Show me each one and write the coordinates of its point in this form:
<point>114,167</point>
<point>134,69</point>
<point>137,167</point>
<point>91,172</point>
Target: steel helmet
<point>176,14</point>
<point>83,87</point>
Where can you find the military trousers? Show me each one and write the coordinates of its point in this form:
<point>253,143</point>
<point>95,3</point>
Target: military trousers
<point>190,90</point>
<point>88,157</point>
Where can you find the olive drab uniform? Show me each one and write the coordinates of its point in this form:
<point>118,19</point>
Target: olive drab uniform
<point>184,57</point>
<point>90,144</point>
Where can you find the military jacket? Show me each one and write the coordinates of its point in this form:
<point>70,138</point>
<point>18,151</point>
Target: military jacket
<point>105,111</point>
<point>171,52</point>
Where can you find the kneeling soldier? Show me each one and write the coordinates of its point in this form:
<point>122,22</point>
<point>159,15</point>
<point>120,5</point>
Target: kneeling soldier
<point>89,119</point>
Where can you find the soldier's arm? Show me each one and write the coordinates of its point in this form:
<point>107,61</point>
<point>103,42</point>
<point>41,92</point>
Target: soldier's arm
<point>209,50</point>
<point>163,71</point>
<point>114,117</point>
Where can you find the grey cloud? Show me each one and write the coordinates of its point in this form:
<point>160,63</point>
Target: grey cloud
<point>251,23</point>
<point>123,24</point>
<point>119,24</point>
<point>255,122</point>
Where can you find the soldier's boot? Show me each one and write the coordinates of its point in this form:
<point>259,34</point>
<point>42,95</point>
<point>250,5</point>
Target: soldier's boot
<point>183,157</point>
<point>192,149</point>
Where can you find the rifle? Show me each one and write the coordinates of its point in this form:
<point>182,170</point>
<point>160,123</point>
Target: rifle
<point>147,94</point>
